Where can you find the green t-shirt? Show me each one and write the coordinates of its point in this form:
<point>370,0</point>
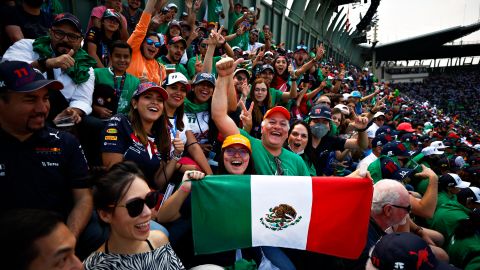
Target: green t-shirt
<point>444,198</point>
<point>105,76</point>
<point>232,18</point>
<point>292,164</point>
<point>276,97</point>
<point>240,41</point>
<point>446,218</point>
<point>178,67</point>
<point>162,28</point>
<point>215,7</point>
<point>191,66</point>
<point>460,250</point>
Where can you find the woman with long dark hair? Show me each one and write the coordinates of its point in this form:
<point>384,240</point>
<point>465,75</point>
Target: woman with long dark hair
<point>140,136</point>
<point>300,142</point>
<point>124,201</point>
<point>260,98</point>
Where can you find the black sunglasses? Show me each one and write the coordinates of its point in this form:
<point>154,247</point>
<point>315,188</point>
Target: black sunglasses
<point>135,206</point>
<point>406,208</point>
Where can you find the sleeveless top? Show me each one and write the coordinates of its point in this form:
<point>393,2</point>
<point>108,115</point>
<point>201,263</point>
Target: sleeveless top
<point>160,258</point>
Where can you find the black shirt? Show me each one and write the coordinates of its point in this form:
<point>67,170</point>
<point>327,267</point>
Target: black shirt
<point>327,144</point>
<point>41,171</point>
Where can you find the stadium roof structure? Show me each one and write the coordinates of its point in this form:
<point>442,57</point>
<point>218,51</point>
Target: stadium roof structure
<point>428,46</point>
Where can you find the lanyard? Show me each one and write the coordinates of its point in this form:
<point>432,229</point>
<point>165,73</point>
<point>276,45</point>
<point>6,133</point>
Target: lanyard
<point>118,90</point>
<point>174,128</point>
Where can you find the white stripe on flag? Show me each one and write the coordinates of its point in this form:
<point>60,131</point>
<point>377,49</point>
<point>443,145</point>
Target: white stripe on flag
<point>268,192</point>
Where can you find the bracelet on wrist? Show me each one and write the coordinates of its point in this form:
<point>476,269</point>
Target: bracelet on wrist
<point>183,188</point>
<point>176,156</point>
<point>42,63</point>
<point>362,129</point>
<point>417,230</point>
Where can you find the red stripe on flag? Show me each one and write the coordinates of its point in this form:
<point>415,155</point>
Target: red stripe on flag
<point>340,215</point>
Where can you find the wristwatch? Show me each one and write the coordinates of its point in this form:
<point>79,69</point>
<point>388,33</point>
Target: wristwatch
<point>42,63</point>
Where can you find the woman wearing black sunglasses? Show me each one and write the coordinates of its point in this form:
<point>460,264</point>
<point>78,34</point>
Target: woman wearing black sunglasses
<point>123,201</point>
<point>145,46</point>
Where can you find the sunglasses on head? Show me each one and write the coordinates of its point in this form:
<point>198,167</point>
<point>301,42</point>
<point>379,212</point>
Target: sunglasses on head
<point>156,44</point>
<point>135,206</point>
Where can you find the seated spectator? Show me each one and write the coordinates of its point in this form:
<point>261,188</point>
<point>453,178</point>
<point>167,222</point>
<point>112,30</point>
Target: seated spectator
<point>120,198</point>
<point>97,14</point>
<point>46,167</point>
<point>404,250</point>
<point>37,239</point>
<point>121,82</point>
<point>132,13</point>
<point>99,40</point>
<point>25,20</point>
<point>300,142</point>
<point>145,46</point>
<point>464,248</point>
<point>70,64</point>
<point>140,137</point>
<point>177,87</point>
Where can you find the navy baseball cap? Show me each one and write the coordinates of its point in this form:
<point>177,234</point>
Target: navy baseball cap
<point>396,149</point>
<point>69,18</point>
<point>20,77</point>
<point>204,77</point>
<point>405,251</point>
<point>320,111</point>
<point>390,170</point>
<point>381,140</point>
<point>385,130</point>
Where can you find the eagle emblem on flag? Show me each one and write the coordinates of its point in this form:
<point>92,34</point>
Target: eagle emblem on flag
<point>280,217</point>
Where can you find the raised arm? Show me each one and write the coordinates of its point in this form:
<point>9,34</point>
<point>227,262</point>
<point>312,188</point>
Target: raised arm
<point>425,207</point>
<point>225,68</point>
<point>309,64</point>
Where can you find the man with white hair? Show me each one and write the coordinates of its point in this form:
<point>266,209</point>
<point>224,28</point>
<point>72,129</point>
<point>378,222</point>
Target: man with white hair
<point>390,207</point>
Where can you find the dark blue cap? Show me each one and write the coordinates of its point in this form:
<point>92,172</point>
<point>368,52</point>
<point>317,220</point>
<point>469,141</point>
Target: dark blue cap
<point>381,140</point>
<point>396,149</point>
<point>405,251</point>
<point>204,77</point>
<point>390,170</point>
<point>19,76</point>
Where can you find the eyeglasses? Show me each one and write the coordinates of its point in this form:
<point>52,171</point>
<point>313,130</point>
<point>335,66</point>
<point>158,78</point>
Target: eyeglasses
<point>406,208</point>
<point>59,34</point>
<point>203,45</point>
<point>231,152</point>
<point>135,206</point>
<point>324,102</point>
<point>278,163</point>
<point>151,42</point>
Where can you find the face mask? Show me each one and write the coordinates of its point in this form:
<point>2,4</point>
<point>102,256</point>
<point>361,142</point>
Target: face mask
<point>298,153</point>
<point>319,130</point>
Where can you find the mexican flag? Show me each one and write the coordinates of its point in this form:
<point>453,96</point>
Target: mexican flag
<point>327,215</point>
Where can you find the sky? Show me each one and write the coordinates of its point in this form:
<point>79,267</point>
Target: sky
<point>401,19</point>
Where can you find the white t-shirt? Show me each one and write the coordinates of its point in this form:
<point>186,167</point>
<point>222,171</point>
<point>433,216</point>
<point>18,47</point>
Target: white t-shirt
<point>198,123</point>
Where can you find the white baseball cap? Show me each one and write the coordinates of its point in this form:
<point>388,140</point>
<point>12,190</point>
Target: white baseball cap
<point>438,144</point>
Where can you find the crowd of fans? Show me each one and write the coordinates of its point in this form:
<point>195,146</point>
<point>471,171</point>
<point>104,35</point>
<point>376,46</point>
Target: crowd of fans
<point>158,99</point>
<point>453,92</point>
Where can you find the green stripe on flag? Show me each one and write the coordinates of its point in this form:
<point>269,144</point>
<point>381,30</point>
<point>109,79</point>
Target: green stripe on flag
<point>223,228</point>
